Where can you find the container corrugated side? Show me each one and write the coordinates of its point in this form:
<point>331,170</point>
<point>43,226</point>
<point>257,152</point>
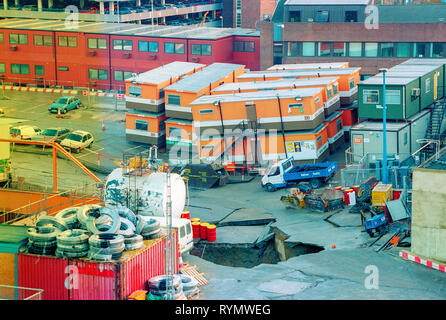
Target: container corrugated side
<point>150,263</point>
<point>43,272</point>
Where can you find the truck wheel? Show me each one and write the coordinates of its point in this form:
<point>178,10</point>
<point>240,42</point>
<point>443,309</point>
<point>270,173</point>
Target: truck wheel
<point>315,183</point>
<point>270,187</point>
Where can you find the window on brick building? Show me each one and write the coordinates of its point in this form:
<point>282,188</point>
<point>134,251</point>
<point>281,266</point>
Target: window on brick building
<point>148,46</point>
<point>95,43</point>
<point>322,16</point>
<point>67,41</point>
<point>244,46</point>
<point>171,47</point>
<point>387,49</point>
<point>403,50</point>
<point>43,40</point>
<point>98,74</point>
<point>355,49</point>
<point>121,75</point>
<point>308,49</point>
<point>15,38</point>
<point>294,16</point>
<point>39,70</point>
<point>19,68</point>
<point>351,16</point>
<point>324,49</point>
<point>201,49</point>
<point>437,49</point>
<point>125,45</point>
<point>2,68</point>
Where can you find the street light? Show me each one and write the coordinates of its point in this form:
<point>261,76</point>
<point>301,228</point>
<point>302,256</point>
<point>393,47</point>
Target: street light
<point>384,169</point>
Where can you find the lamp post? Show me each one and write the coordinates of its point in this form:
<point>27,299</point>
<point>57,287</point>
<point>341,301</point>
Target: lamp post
<point>384,169</point>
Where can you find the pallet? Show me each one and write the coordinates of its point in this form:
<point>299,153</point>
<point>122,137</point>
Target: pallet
<point>193,272</point>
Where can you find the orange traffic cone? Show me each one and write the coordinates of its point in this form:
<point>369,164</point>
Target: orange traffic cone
<point>180,261</point>
<point>103,126</point>
<point>58,113</point>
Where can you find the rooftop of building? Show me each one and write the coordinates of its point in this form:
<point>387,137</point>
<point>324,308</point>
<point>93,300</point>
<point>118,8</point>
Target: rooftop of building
<point>424,61</point>
<point>296,73</point>
<point>201,79</point>
<point>401,75</point>
<point>253,96</point>
<point>326,2</point>
<point>165,72</point>
<point>304,66</point>
<point>132,29</point>
<point>272,84</point>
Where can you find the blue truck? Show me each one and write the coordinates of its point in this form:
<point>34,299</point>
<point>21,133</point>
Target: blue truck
<point>287,172</point>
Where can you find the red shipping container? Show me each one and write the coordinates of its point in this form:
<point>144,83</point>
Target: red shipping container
<point>91,280</point>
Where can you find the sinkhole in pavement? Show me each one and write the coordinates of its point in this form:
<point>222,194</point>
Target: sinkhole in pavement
<point>250,255</point>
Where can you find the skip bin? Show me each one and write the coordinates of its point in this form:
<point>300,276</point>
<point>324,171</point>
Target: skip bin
<point>83,279</point>
<point>118,279</point>
<point>44,272</point>
<point>381,193</point>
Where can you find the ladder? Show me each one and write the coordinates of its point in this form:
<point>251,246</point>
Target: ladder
<point>433,131</point>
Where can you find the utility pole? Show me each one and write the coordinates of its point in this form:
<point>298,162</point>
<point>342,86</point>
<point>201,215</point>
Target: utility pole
<point>384,169</point>
<point>152,13</point>
<point>169,243</point>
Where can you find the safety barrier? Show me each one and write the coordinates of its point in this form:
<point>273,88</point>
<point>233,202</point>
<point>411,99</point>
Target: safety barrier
<point>33,89</point>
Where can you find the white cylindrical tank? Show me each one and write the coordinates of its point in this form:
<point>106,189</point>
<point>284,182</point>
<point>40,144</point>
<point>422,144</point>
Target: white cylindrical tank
<point>150,190</point>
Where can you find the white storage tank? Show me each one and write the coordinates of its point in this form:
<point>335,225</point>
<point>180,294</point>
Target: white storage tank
<point>150,191</point>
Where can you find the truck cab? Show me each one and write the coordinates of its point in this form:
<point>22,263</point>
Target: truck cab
<point>286,172</point>
<point>184,229</point>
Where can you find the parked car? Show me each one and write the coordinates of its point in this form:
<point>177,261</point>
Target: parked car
<point>77,140</point>
<point>2,113</point>
<point>56,134</point>
<point>24,132</point>
<point>65,103</point>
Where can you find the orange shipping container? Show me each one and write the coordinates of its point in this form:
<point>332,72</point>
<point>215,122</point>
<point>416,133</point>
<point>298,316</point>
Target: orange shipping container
<point>180,94</point>
<point>146,128</point>
<point>329,85</point>
<point>305,146</point>
<point>145,90</point>
<point>348,79</point>
<point>294,109</point>
<point>335,130</point>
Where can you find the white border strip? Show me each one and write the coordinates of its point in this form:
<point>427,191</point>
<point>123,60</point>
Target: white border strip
<point>145,133</point>
<point>427,263</point>
<point>45,90</point>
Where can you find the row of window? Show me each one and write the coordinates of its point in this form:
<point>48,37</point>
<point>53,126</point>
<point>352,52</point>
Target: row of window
<point>125,45</point>
<point>365,49</point>
<point>392,96</point>
<point>323,16</point>
<point>93,74</point>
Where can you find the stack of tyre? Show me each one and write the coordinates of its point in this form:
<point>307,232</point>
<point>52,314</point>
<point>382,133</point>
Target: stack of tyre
<point>72,243</point>
<point>148,228</point>
<point>190,285</point>
<point>157,286</point>
<point>43,237</point>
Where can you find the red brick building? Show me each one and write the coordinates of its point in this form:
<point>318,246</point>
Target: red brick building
<point>247,13</point>
<point>370,37</point>
<point>102,55</point>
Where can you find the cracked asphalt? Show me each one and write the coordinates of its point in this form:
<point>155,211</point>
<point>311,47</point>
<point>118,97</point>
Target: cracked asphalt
<point>333,273</point>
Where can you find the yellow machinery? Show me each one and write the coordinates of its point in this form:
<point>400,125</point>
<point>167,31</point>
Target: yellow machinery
<point>381,193</point>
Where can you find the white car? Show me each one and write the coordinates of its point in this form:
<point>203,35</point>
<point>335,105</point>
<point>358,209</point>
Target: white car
<point>24,132</point>
<point>77,140</point>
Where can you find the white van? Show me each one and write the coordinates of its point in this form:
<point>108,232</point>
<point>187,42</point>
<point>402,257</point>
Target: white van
<point>24,132</point>
<point>184,229</point>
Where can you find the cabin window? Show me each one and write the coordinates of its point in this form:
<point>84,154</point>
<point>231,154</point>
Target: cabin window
<point>299,106</point>
<point>174,132</point>
<point>393,97</point>
<point>141,125</point>
<point>335,88</point>
<point>174,99</point>
<point>329,95</point>
<point>339,124</point>
<point>206,111</point>
<point>428,85</point>
<point>352,83</point>
<point>371,96</point>
<point>135,91</point>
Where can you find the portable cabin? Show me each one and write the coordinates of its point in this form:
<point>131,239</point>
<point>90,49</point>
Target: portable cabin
<point>145,91</point>
<point>330,85</point>
<point>441,77</point>
<point>367,139</point>
<point>180,134</point>
<point>146,127</point>
<point>407,93</point>
<point>427,71</point>
<point>305,145</point>
<point>306,66</point>
<point>335,130</point>
<point>293,109</point>
<point>180,94</point>
<point>348,79</point>
<point>349,119</point>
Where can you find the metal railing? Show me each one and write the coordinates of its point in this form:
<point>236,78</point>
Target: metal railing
<point>19,293</point>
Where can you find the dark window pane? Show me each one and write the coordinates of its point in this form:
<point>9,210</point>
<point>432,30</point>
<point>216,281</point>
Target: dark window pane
<point>143,46</point>
<point>39,70</point>
<point>195,49</point>
<point>238,46</point>
<point>387,49</point>
<point>127,45</point>
<point>321,16</point>
<point>169,47</point>
<point>93,74</point>
<point>72,42</point>
<point>23,39</point>
<point>118,75</point>
<point>47,40</point>
<point>2,68</point>
<point>249,46</point>
<point>437,50</point>
<point>15,68</point>
<point>117,44</point>
<point>403,50</point>
<point>13,38</point>
<point>103,75</point>
<point>63,41</point>
<point>173,99</point>
<point>294,16</point>
<point>351,16</point>
<point>153,46</point>
<point>339,49</point>
<point>141,125</point>
<point>206,49</point>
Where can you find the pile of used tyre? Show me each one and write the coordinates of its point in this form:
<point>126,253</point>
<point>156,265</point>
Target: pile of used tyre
<point>182,286</point>
<point>102,233</point>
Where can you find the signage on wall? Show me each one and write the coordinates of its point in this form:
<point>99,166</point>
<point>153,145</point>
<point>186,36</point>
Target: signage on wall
<point>357,140</point>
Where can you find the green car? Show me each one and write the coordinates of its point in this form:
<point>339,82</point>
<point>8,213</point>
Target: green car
<point>65,103</point>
